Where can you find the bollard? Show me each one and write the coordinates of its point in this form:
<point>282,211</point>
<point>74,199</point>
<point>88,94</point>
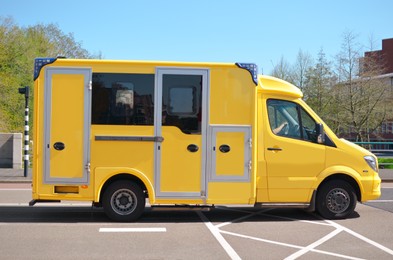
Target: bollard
<point>25,91</point>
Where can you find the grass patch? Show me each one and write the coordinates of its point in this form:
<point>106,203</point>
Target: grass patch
<point>385,160</point>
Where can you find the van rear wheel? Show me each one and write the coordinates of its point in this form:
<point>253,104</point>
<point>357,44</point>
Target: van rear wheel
<point>336,199</point>
<point>123,201</point>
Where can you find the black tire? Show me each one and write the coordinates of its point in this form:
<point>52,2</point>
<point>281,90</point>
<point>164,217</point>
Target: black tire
<point>336,199</point>
<point>123,201</point>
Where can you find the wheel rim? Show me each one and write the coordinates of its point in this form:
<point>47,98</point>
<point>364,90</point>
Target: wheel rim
<point>123,201</point>
<point>338,200</point>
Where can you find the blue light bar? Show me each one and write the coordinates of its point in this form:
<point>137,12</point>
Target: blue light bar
<point>252,68</point>
<point>39,63</point>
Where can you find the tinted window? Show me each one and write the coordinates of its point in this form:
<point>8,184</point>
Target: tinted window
<point>123,99</point>
<point>181,102</point>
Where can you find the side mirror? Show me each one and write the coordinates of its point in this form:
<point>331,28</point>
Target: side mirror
<point>320,133</point>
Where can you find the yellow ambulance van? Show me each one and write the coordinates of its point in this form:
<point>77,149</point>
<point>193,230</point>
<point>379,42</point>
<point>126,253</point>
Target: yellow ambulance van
<point>124,133</point>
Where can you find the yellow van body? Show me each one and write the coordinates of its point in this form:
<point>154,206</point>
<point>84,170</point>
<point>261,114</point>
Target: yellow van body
<point>186,133</point>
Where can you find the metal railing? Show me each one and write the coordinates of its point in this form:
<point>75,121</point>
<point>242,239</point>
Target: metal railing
<point>380,153</point>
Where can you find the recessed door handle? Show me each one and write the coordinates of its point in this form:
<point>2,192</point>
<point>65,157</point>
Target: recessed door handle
<point>274,149</point>
<point>59,146</point>
<point>193,148</point>
<point>224,148</point>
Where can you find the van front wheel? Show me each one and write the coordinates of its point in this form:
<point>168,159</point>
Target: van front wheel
<point>336,199</point>
<point>123,201</point>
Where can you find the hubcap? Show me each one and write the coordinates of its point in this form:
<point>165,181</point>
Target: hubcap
<point>338,200</point>
<point>123,202</point>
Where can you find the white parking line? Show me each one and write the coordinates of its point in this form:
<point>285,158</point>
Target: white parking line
<point>288,245</point>
<point>215,230</point>
<point>317,243</point>
<point>365,239</point>
<point>216,233</point>
<point>131,230</point>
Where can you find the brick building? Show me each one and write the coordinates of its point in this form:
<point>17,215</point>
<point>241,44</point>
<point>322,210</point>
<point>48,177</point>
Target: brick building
<point>384,58</point>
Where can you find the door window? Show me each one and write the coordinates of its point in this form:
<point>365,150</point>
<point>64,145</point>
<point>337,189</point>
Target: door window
<point>289,119</point>
<point>182,102</point>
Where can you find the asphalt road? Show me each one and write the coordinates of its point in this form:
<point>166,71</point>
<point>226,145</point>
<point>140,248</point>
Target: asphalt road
<point>72,230</point>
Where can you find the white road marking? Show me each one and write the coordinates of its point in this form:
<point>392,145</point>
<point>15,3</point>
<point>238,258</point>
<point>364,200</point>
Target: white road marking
<point>317,243</point>
<point>239,219</point>
<point>216,233</point>
<point>365,239</point>
<point>303,250</point>
<point>288,245</point>
<point>131,230</point>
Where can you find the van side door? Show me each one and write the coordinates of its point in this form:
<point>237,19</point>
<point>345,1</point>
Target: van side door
<point>67,125</point>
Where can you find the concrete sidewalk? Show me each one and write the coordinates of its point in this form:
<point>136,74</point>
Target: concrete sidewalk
<point>16,175</point>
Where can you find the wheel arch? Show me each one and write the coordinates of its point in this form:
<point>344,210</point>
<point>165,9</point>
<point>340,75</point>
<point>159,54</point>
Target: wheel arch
<point>113,175</point>
<point>344,177</point>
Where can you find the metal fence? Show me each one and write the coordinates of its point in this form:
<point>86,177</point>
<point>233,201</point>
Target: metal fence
<point>380,149</point>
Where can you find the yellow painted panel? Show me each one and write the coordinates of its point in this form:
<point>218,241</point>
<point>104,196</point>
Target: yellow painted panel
<point>232,92</point>
<point>230,193</point>
<point>67,126</point>
<point>180,168</point>
<point>290,195</point>
<point>230,163</point>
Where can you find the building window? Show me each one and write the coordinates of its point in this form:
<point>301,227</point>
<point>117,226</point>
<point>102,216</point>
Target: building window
<point>123,99</point>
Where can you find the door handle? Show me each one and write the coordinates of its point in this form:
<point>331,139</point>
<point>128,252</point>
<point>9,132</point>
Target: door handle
<point>224,148</point>
<point>193,148</point>
<point>274,149</point>
<point>59,146</point>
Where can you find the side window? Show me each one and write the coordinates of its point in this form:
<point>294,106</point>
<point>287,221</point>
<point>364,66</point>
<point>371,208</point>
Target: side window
<point>309,130</point>
<point>182,102</point>
<point>123,99</point>
<point>290,120</point>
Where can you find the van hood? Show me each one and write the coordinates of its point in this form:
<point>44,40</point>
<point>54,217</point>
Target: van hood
<point>356,147</point>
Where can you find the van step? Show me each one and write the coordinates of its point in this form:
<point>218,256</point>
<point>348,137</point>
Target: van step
<point>182,207</point>
<point>282,205</point>
<point>33,202</point>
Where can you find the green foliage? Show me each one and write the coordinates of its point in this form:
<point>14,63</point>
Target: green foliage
<point>18,49</point>
<point>351,100</point>
<point>385,160</point>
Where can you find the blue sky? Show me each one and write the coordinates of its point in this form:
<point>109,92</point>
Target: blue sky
<point>209,30</point>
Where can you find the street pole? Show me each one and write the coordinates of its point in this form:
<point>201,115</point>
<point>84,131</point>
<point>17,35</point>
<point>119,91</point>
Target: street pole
<point>25,91</point>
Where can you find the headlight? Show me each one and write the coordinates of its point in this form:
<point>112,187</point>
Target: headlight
<point>372,162</point>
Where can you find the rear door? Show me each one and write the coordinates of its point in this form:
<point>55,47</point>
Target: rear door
<point>67,125</point>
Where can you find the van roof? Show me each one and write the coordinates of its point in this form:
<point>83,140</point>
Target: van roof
<point>274,85</point>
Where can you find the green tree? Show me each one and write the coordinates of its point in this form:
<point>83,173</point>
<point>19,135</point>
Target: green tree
<point>282,70</point>
<point>299,70</point>
<point>317,91</point>
<point>361,94</point>
<point>18,48</point>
